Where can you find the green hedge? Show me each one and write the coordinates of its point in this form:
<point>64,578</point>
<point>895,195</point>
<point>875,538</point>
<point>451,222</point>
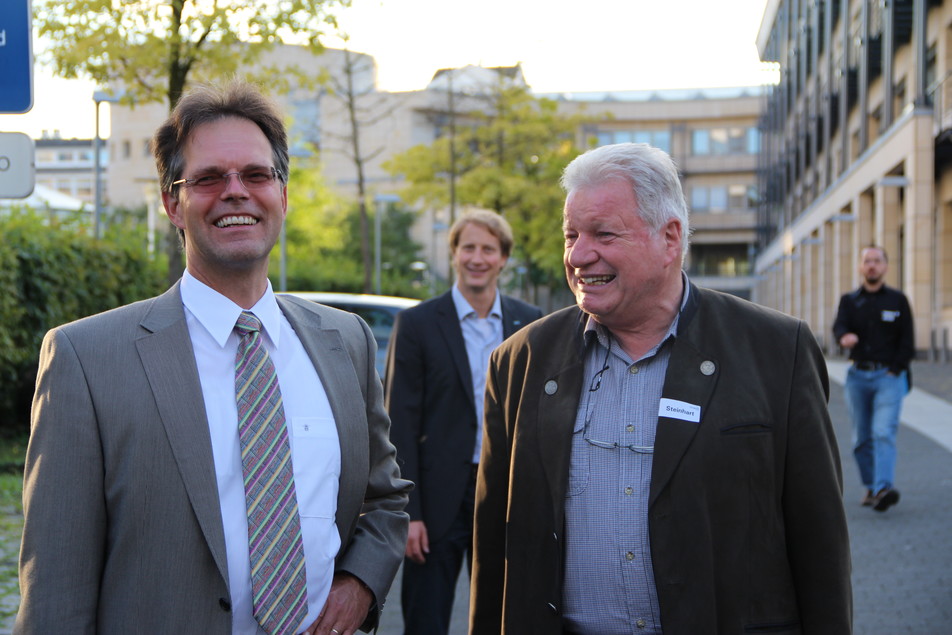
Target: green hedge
<point>51,273</point>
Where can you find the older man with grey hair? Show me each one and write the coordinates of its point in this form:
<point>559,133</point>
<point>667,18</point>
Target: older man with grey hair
<point>658,458</point>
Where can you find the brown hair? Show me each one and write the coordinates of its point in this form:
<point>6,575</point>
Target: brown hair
<point>205,104</point>
<point>491,221</point>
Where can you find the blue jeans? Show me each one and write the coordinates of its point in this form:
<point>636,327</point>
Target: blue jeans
<point>874,399</point>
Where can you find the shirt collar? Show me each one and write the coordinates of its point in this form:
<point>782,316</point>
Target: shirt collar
<point>218,315</point>
<point>595,330</point>
<point>464,309</point>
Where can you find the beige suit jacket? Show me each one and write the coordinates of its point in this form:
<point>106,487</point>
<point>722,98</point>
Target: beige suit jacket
<point>123,529</point>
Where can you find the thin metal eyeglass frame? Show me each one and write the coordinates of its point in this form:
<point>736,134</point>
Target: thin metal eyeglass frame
<point>224,181</point>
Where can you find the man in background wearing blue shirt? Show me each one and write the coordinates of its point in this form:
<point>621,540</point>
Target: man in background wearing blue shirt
<point>436,376</point>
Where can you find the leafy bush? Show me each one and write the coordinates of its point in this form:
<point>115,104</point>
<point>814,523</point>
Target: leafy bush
<point>53,272</point>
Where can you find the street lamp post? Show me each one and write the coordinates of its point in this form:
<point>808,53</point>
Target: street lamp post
<point>99,96</point>
<point>381,200</point>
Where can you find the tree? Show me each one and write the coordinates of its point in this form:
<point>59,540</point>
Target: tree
<point>507,153</point>
<point>322,239</point>
<point>154,48</point>
<point>363,107</point>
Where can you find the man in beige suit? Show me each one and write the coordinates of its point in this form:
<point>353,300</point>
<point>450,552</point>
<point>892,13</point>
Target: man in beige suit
<point>134,495</point>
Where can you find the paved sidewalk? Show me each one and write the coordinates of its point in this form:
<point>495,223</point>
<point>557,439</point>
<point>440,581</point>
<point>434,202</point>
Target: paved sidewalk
<point>902,558</point>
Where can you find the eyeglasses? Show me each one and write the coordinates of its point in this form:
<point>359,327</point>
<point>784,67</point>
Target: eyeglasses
<point>253,179</point>
<point>593,389</point>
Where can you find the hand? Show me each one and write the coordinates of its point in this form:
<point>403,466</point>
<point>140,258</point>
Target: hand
<point>346,608</point>
<point>418,542</point>
<point>849,340</point>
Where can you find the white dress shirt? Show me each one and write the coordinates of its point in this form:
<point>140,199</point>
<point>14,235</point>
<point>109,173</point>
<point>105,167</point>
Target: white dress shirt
<point>315,448</point>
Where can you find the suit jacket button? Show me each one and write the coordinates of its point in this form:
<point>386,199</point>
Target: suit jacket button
<point>553,608</point>
<point>225,605</point>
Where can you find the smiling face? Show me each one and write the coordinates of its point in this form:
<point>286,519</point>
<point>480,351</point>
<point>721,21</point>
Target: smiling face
<point>230,231</point>
<point>618,267</point>
<point>478,259</point>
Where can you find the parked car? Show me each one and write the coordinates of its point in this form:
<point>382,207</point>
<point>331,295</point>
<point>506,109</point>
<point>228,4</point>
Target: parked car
<point>378,311</point>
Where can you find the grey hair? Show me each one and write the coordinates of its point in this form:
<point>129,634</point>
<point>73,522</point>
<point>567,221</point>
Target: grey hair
<point>652,174</point>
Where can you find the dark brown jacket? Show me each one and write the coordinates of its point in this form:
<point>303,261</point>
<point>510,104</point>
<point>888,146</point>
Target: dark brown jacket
<point>748,532</point>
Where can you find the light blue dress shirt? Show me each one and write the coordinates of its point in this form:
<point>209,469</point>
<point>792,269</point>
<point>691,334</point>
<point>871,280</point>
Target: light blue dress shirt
<point>482,336</point>
<point>609,586</point>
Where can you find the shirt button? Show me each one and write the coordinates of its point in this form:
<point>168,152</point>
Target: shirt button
<point>633,369</point>
<point>630,428</point>
<point>628,491</point>
<point>629,556</point>
<point>641,623</point>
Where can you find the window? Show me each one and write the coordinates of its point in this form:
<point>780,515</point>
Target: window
<point>753,141</point>
<point>725,260</point>
<point>721,198</point>
<point>725,141</point>
<point>718,199</point>
<point>742,197</point>
<point>126,149</point>
<point>699,199</point>
<point>660,139</point>
<point>624,136</point>
<point>711,198</point>
<point>700,142</point>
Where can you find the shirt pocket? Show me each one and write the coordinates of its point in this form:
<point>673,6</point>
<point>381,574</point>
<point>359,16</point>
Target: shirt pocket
<point>580,462</point>
<point>315,452</point>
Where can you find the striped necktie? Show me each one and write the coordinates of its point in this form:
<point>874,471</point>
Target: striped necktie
<point>278,581</point>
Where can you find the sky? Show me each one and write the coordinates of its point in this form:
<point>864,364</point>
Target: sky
<point>565,46</point>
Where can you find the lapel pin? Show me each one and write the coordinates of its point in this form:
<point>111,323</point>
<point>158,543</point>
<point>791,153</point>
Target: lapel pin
<point>707,368</point>
<point>551,386</point>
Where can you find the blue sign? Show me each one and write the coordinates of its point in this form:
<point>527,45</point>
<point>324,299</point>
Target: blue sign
<point>16,56</point>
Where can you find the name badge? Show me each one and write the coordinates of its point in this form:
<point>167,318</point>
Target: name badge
<point>890,316</point>
<point>674,409</point>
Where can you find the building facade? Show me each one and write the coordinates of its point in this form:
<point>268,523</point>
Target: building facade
<point>68,165</point>
<point>855,149</point>
<point>711,133</point>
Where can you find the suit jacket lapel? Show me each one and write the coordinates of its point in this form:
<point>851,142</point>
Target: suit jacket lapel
<point>169,363</point>
<point>447,321</point>
<point>325,347</point>
<point>690,378</point>
<point>556,420</point>
<point>510,322</point>
<point>560,373</point>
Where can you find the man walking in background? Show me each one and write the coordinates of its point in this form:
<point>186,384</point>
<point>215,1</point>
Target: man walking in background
<point>874,323</point>
<point>436,376</point>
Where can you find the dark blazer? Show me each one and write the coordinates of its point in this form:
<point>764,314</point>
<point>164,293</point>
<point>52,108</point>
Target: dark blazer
<point>429,395</point>
<point>123,529</point>
<point>748,532</point>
